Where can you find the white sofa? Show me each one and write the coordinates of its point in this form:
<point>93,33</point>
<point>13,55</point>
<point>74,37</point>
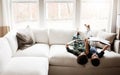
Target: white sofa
<point>48,56</point>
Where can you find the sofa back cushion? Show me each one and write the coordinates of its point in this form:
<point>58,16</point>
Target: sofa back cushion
<point>59,36</point>
<point>5,52</point>
<point>40,35</point>
<point>11,37</point>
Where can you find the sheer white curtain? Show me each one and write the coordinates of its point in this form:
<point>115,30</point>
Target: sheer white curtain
<point>113,19</point>
<point>0,12</point>
<point>5,17</point>
<point>0,18</point>
<point>6,12</point>
<point>118,20</point>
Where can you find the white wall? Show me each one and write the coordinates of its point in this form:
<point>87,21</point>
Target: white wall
<point>1,13</point>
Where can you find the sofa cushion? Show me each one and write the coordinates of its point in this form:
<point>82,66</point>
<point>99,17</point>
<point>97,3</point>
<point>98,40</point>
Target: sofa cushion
<point>58,36</point>
<point>110,59</point>
<point>35,50</point>
<point>11,37</point>
<point>5,53</point>
<point>27,66</point>
<point>41,35</point>
<point>60,57</point>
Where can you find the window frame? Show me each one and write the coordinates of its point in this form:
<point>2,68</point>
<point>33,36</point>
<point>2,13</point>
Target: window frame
<point>61,1</point>
<point>22,1</point>
<point>111,12</point>
<point>77,11</point>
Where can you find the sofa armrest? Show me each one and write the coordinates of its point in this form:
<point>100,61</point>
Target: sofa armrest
<point>117,46</point>
<point>5,53</point>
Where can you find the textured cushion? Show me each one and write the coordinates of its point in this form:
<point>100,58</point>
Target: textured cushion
<point>60,57</point>
<point>41,50</point>
<point>27,66</point>
<point>58,36</point>
<point>5,52</point>
<point>25,38</point>
<point>41,35</point>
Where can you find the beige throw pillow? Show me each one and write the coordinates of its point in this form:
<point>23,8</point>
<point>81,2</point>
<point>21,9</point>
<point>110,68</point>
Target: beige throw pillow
<point>106,36</point>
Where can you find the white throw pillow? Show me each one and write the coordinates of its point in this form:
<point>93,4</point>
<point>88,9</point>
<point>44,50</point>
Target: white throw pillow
<point>28,29</point>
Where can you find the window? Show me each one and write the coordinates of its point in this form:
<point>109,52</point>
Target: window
<point>25,12</point>
<point>60,13</point>
<point>96,13</point>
